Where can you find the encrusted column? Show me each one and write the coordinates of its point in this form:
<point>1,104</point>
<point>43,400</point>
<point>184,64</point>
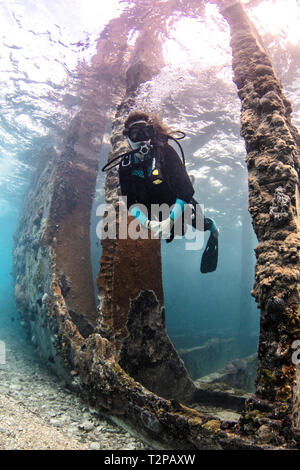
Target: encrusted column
<point>271,144</point>
<point>130,280</point>
<point>52,258</point>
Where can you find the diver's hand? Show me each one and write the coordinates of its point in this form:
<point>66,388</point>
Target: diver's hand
<point>166,228</point>
<point>152,225</point>
<point>161,229</point>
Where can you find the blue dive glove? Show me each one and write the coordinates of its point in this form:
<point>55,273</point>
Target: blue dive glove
<point>140,216</point>
<point>177,209</point>
<point>160,229</point>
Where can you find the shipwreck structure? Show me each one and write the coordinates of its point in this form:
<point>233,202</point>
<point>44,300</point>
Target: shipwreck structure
<point>118,354</point>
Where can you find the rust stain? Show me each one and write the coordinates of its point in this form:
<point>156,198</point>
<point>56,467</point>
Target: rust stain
<point>70,223</point>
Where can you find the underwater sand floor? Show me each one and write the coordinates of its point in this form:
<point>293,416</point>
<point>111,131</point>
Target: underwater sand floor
<point>38,412</point>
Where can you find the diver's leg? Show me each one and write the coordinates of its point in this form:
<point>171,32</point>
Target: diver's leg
<point>193,216</point>
<point>198,219</point>
<point>209,259</point>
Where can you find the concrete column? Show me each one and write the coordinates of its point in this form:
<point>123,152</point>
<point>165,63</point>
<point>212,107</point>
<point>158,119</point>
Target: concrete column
<point>273,168</point>
<point>130,280</point>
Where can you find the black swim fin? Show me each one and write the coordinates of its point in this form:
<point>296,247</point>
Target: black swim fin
<point>209,259</point>
<point>171,237</point>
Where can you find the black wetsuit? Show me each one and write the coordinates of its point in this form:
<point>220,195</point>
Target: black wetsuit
<point>139,188</point>
<point>137,184</point>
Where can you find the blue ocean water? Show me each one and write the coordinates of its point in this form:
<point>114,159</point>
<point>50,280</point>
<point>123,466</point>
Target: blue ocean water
<point>211,303</point>
<point>41,47</point>
<point>9,221</point>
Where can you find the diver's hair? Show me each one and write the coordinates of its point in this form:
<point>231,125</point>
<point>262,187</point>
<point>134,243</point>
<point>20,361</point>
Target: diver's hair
<point>159,127</point>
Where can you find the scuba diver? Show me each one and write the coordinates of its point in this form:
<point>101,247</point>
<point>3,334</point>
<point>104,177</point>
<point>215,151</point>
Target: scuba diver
<point>152,174</point>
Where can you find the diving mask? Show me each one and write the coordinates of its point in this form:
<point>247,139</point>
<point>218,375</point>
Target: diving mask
<point>137,136</point>
<point>139,131</point>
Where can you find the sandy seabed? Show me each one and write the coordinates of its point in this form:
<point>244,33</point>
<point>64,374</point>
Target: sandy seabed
<point>38,412</point>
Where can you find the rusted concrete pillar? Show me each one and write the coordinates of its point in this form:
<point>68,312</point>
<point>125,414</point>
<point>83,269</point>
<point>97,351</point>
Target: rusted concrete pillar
<point>271,144</point>
<point>130,280</point>
<point>52,258</point>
